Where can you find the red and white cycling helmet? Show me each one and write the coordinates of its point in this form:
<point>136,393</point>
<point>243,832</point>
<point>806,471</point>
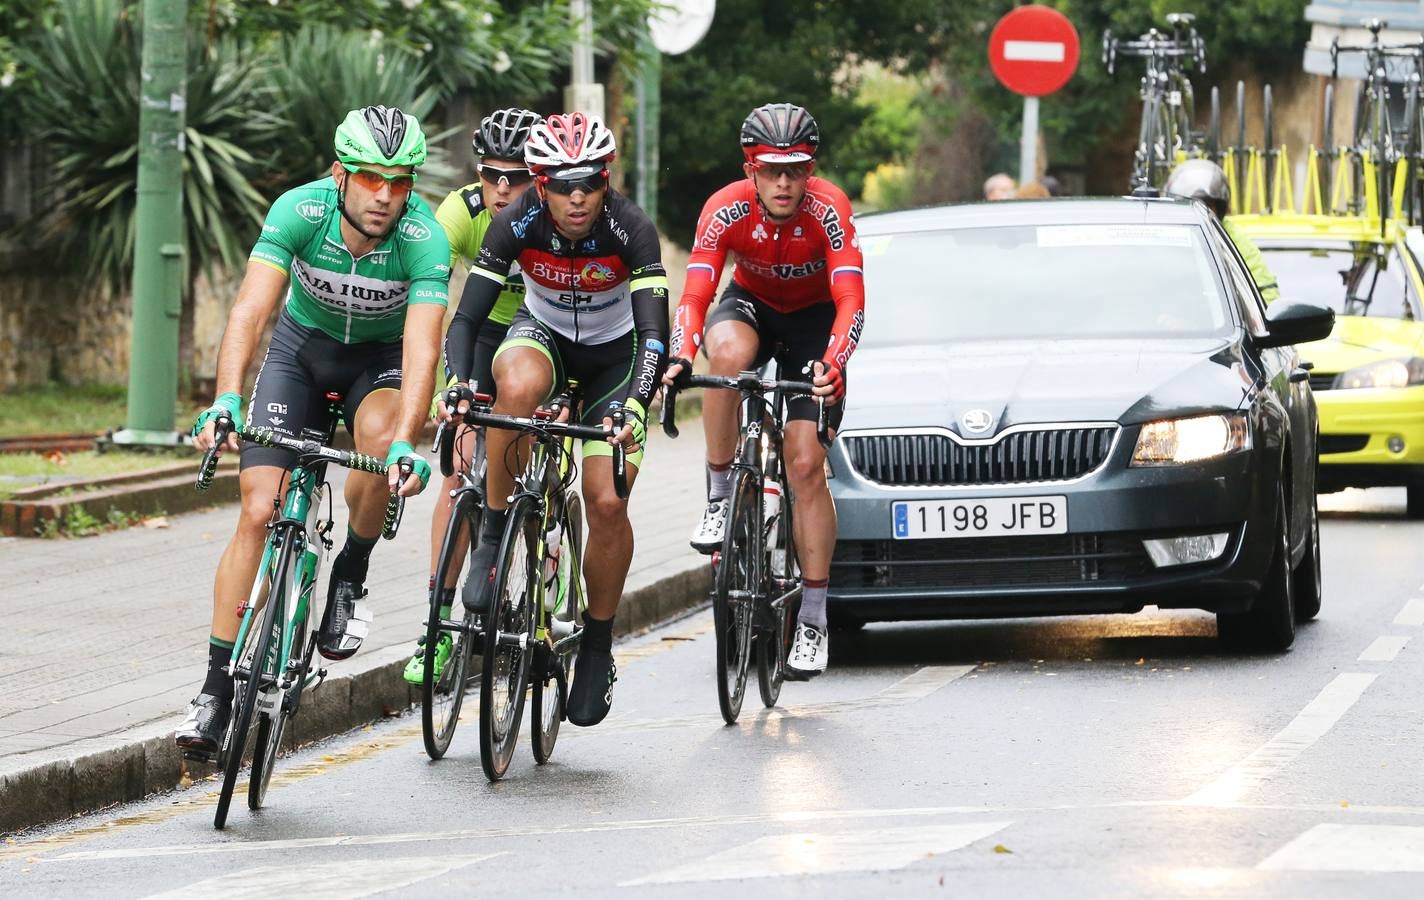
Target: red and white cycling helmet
<point>570,141</point>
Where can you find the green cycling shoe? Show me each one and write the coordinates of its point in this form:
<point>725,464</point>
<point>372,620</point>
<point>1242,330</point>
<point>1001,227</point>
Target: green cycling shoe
<point>415,669</point>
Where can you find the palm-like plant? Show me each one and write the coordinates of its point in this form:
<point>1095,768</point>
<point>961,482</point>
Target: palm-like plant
<point>82,109</point>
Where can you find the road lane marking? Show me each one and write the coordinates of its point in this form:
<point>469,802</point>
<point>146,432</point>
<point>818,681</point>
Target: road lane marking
<point>1384,649</point>
<point>323,881</point>
<point>1412,613</point>
<point>1318,717</point>
<point>823,853</point>
<point>734,820</point>
<point>1352,848</point>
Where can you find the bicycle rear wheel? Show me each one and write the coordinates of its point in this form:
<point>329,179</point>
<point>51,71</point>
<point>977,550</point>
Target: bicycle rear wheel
<point>509,637</point>
<point>732,594</point>
<point>783,592</point>
<point>258,647</point>
<point>546,700</point>
<point>443,694</point>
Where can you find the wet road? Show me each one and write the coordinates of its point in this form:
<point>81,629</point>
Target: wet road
<point>1092,757</point>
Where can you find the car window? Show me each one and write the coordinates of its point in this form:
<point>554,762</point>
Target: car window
<point>1351,282</point>
<point>1041,281</point>
<point>1242,286</point>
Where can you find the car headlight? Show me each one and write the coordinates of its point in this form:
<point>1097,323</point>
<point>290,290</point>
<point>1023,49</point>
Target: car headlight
<point>1174,442</point>
<point>1384,373</point>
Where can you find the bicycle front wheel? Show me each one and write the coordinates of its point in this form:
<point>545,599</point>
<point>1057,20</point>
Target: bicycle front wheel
<point>442,692</point>
<point>257,656</point>
<point>563,613</point>
<point>783,598</point>
<point>509,638</point>
<point>733,591</point>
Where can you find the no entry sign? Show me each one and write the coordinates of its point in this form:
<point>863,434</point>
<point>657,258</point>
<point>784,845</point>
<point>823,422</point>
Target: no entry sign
<point>1033,50</point>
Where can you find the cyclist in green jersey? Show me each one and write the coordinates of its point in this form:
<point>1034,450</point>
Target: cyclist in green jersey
<point>466,215</point>
<point>1204,180</point>
<point>364,268</point>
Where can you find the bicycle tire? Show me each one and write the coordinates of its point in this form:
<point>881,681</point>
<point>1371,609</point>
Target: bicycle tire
<point>1268,141</point>
<point>1327,144</point>
<point>442,699</point>
<point>546,711</point>
<point>505,667</point>
<point>236,740</point>
<point>1186,119</point>
<point>783,575</point>
<point>1213,128</point>
<point>736,575</point>
<point>1408,152</point>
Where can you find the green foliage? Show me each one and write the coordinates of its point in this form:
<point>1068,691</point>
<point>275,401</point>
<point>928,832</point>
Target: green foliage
<point>83,109</point>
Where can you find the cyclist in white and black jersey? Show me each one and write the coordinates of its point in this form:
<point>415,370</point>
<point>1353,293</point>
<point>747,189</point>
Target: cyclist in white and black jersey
<point>595,311</point>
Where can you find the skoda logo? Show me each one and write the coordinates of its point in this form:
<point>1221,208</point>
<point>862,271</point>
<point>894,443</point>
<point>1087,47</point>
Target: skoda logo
<point>977,421</point>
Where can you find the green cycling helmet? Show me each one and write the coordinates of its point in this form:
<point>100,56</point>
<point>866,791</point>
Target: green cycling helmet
<point>380,135</point>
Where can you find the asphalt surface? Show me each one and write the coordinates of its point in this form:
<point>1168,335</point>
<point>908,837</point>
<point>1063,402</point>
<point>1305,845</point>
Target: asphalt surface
<point>1116,756</point>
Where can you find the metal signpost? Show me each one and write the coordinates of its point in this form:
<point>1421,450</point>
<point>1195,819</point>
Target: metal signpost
<point>1033,51</point>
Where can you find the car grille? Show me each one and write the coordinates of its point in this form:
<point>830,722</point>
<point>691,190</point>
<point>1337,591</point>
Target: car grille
<point>1058,559</point>
<point>931,458</point>
<point>1343,443</point>
<point>1322,381</point>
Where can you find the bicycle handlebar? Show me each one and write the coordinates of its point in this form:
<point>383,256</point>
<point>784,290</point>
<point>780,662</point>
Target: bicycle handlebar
<point>548,429</point>
<point>747,383</point>
<point>208,468</point>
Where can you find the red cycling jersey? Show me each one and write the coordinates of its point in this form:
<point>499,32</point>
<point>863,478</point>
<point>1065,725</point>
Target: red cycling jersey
<point>814,258</point>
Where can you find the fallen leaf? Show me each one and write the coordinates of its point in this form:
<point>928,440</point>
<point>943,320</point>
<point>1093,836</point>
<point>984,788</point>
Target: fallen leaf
<point>56,457</point>
<point>1000,848</point>
<point>1140,662</point>
<point>156,522</point>
<point>328,759</point>
<point>1344,804</point>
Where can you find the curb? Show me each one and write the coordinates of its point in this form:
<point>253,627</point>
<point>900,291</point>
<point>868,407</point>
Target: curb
<point>26,512</point>
<point>145,761</point>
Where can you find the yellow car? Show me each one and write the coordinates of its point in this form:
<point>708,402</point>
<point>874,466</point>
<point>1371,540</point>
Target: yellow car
<point>1368,376</point>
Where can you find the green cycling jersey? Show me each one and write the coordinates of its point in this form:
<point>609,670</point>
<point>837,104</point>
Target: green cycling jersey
<point>353,300</point>
<point>466,219</point>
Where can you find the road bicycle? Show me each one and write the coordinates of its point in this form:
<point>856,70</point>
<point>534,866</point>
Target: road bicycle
<point>537,602</point>
<point>756,584</point>
<point>1165,132</point>
<point>271,662</point>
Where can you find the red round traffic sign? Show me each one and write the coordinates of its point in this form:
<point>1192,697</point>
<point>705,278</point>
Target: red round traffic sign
<point>1033,50</point>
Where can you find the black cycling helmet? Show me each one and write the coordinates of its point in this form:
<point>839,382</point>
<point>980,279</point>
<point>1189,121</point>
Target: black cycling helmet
<point>780,133</point>
<point>1200,179</point>
<point>502,133</point>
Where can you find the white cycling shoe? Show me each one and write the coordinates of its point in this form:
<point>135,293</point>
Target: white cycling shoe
<point>809,654</point>
<point>708,535</point>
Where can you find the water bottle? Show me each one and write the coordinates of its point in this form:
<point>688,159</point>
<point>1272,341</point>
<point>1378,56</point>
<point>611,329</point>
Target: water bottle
<point>551,566</point>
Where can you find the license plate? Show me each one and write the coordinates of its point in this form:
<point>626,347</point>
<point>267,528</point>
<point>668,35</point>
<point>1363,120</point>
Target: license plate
<point>982,517</point>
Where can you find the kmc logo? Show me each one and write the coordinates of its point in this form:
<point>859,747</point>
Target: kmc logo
<point>414,231</point>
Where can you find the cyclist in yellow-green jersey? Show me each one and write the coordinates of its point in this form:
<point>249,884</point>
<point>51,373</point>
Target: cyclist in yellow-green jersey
<point>466,214</point>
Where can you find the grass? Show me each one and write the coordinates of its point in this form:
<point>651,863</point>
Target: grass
<point>64,409</point>
<point>22,470</point>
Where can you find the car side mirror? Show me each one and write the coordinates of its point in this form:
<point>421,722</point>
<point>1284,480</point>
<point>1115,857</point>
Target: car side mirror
<point>1296,323</point>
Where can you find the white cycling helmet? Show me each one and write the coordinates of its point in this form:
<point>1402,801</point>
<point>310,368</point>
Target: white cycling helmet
<point>573,139</point>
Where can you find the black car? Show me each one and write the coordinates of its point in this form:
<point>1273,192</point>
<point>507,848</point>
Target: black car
<point>1076,406</point>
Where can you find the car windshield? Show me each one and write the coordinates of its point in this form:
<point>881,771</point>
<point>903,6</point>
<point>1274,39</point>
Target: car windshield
<point>1041,281</point>
<point>1351,283</point>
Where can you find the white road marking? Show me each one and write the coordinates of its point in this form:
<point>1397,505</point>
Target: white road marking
<point>1318,717</point>
<point>1384,649</point>
<point>1035,51</point>
<point>780,818</point>
<point>1352,848</point>
<point>823,853</point>
<point>1412,613</point>
<point>323,881</point>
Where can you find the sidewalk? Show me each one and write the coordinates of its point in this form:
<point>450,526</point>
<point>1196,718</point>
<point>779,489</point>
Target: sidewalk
<point>104,640</point>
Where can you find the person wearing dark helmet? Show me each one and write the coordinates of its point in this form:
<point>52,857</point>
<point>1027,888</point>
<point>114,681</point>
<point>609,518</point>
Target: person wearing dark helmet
<point>595,311</point>
<point>799,285</point>
<point>1204,180</point>
<point>363,267</point>
<point>466,214</point>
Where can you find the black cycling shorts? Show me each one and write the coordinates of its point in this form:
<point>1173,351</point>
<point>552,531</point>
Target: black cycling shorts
<point>794,339</point>
<point>487,342</point>
<point>302,366</point>
<point>603,371</point>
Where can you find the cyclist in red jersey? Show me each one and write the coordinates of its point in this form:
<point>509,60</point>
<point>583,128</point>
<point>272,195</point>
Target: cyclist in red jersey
<point>798,292</point>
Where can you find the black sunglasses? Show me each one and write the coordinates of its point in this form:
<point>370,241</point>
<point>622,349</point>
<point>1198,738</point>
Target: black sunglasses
<point>511,177</point>
<point>588,183</point>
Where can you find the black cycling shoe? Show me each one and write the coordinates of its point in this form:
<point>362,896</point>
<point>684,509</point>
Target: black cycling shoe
<point>475,595</point>
<point>203,730</point>
<point>591,696</point>
<point>346,622</point>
